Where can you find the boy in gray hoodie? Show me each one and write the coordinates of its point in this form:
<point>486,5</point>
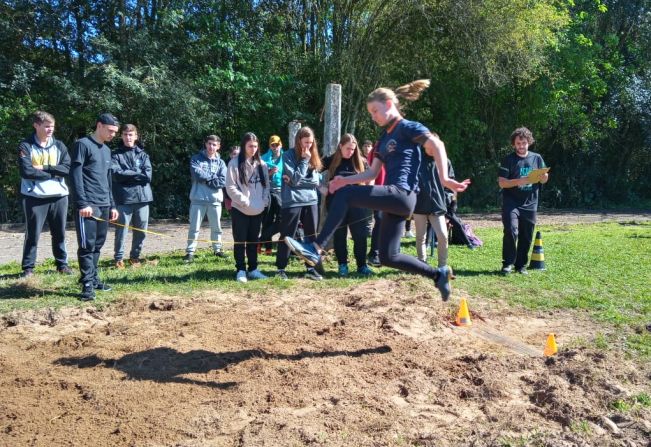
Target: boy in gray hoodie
<point>208,173</point>
<point>43,162</point>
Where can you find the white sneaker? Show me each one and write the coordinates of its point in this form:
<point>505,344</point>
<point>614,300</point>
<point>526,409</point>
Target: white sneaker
<point>256,274</point>
<point>241,276</point>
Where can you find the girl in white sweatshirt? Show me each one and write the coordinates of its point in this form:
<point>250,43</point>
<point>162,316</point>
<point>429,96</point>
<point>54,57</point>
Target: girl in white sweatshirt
<point>247,184</point>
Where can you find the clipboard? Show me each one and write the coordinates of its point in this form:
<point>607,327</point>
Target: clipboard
<point>535,175</point>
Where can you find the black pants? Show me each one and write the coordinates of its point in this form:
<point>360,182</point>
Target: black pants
<point>37,212</point>
<point>271,220</point>
<point>357,220</point>
<point>396,205</point>
<point>245,234</point>
<point>289,220</point>
<point>375,234</point>
<point>519,226</point>
<point>91,235</point>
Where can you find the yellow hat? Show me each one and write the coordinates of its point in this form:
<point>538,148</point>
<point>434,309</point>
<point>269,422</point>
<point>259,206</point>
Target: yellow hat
<point>275,139</point>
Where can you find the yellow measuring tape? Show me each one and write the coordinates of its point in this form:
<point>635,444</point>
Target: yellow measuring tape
<point>209,241</point>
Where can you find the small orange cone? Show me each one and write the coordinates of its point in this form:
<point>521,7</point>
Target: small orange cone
<point>550,347</point>
<point>463,316</point>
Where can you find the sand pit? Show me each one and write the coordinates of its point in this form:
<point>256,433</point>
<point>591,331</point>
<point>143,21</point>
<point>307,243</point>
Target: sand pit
<point>372,365</point>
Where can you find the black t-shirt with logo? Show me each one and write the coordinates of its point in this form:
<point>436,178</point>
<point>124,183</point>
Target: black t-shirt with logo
<point>514,167</point>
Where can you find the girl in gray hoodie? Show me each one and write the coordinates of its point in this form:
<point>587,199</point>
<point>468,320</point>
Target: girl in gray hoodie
<point>247,184</point>
<point>301,178</point>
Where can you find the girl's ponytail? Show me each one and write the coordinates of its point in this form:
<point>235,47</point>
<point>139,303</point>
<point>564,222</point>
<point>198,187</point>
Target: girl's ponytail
<point>412,91</point>
<point>408,92</point>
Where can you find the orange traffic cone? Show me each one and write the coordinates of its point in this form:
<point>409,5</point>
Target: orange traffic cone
<point>538,254</point>
<point>550,347</point>
<point>463,316</point>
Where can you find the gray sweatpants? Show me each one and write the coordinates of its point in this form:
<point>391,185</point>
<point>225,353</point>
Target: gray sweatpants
<point>441,230</point>
<point>197,213</point>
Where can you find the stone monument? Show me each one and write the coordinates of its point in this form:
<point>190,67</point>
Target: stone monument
<point>332,125</point>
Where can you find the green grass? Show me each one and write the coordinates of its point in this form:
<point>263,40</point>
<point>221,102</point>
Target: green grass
<point>634,403</point>
<point>603,269</point>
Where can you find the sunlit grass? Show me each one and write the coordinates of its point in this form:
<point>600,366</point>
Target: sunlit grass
<point>604,269</point>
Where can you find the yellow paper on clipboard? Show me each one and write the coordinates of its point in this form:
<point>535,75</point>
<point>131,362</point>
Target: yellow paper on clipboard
<point>535,175</point>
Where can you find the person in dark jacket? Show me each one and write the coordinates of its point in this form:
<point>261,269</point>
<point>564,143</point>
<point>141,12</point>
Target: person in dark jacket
<point>132,192</point>
<point>90,175</point>
<point>43,163</point>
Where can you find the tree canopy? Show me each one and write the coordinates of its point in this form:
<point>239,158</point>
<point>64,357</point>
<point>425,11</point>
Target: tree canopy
<point>576,72</point>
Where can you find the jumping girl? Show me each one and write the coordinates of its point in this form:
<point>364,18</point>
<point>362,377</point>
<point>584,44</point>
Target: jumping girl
<point>399,149</point>
<point>247,184</point>
<point>348,160</point>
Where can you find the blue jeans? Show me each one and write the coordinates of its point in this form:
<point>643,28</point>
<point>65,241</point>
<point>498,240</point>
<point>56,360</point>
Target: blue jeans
<point>138,214</point>
<point>197,213</point>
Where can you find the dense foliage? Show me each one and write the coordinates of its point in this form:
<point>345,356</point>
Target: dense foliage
<point>576,72</point>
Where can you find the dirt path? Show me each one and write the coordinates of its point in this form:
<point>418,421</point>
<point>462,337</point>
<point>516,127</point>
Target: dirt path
<point>376,364</point>
<point>173,233</point>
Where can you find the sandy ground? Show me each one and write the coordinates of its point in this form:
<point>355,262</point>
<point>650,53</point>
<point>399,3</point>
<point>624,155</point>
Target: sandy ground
<point>379,364</point>
<point>172,234</point>
<point>376,364</point>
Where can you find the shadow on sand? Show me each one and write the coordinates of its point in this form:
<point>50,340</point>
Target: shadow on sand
<point>167,365</point>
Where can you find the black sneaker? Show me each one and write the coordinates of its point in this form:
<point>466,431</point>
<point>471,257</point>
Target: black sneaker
<point>312,274</point>
<point>443,282</point>
<point>65,270</point>
<point>189,258</point>
<point>87,292</point>
<point>220,254</point>
<point>374,261</point>
<point>103,287</point>
<point>280,274</point>
<point>522,271</point>
<point>507,270</point>
<point>27,273</point>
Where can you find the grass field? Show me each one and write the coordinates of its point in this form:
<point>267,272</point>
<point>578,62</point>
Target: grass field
<point>602,269</point>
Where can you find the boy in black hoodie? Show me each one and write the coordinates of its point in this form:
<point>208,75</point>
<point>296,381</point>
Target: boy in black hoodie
<point>132,192</point>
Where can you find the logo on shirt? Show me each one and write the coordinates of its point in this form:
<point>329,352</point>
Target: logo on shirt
<point>255,179</point>
<point>391,146</point>
<point>524,172</point>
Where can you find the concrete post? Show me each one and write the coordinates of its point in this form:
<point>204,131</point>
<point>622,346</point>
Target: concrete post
<point>292,129</point>
<point>332,126</point>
